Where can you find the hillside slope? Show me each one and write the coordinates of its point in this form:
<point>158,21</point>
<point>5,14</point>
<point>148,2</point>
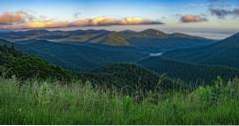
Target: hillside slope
<point>24,66</point>
<point>225,52</point>
<point>127,77</point>
<point>186,71</point>
<point>80,57</point>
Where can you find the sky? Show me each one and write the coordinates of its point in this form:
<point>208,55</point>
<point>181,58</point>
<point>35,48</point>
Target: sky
<point>209,18</point>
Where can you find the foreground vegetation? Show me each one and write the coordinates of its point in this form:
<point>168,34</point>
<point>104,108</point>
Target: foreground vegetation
<point>49,102</point>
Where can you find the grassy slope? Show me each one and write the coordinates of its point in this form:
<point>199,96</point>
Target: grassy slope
<point>49,103</point>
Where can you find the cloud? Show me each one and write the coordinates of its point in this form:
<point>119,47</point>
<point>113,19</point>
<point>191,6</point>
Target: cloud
<point>223,8</point>
<point>22,20</point>
<point>192,18</point>
<point>136,21</point>
<point>222,13</point>
<point>45,24</point>
<point>107,21</point>
<point>14,17</point>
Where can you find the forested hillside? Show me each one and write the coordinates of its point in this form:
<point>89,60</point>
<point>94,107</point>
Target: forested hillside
<point>80,57</point>
<point>24,66</point>
<point>188,71</point>
<point>224,53</point>
<point>122,77</point>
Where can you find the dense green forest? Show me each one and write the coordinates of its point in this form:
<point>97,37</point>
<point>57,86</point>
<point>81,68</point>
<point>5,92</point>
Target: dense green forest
<point>131,79</point>
<point>14,63</point>
<point>123,77</point>
<point>188,72</point>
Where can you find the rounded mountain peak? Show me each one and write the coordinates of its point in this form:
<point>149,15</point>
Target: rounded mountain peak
<point>153,32</point>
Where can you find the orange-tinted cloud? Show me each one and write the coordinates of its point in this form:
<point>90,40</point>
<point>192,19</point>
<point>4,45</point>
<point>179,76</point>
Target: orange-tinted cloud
<point>98,21</point>
<point>106,21</point>
<point>136,21</point>
<point>192,18</point>
<point>45,24</point>
<point>23,20</point>
<point>14,17</point>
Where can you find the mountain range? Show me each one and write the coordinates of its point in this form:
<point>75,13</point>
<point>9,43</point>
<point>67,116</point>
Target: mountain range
<point>178,55</point>
<point>149,39</point>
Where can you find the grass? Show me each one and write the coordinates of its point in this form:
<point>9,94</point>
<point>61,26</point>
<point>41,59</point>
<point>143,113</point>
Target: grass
<point>48,102</point>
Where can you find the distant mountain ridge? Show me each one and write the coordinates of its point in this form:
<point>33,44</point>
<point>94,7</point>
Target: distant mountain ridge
<point>149,38</point>
<point>224,52</point>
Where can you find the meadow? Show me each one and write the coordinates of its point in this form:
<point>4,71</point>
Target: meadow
<point>50,102</point>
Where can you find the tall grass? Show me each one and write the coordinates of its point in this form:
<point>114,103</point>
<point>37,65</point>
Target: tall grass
<point>48,102</point>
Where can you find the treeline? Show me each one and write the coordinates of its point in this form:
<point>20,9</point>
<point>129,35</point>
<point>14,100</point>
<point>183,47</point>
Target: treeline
<point>193,73</point>
<point>134,80</point>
